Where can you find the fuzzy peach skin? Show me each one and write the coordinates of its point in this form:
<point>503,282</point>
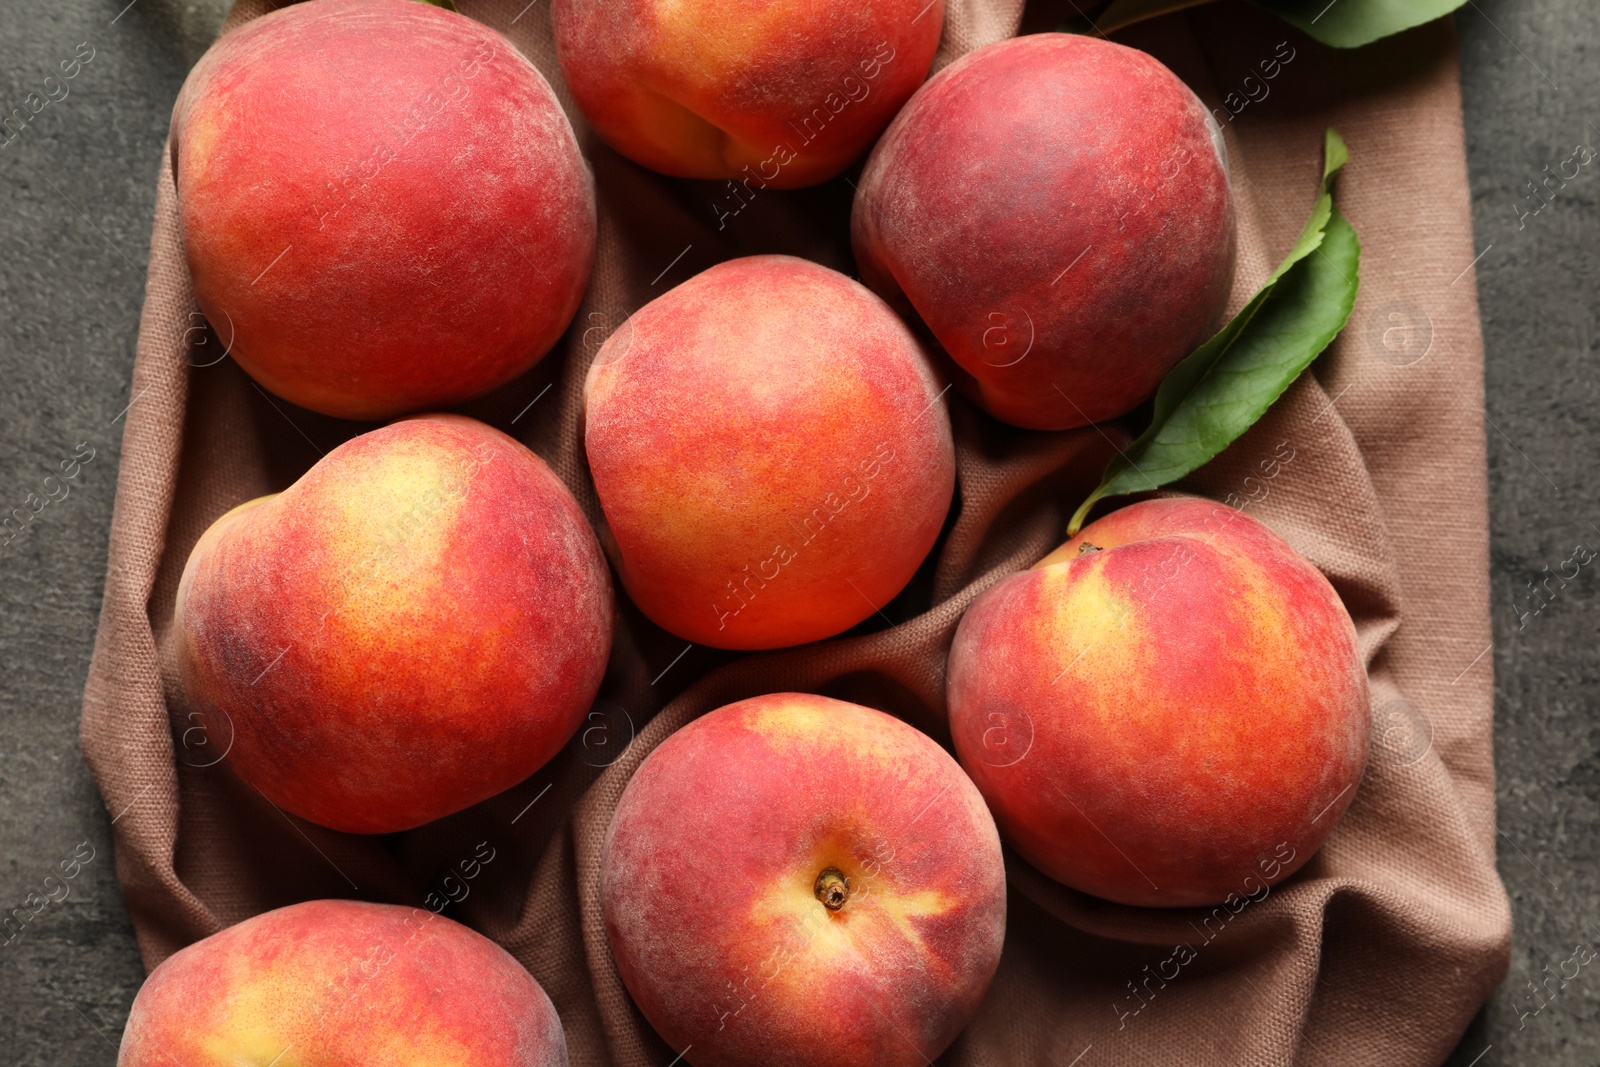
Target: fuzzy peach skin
<point>1168,710</point>
<point>383,205</point>
<point>337,983</point>
<point>771,453</point>
<point>794,880</point>
<point>418,623</point>
<point>780,93</point>
<point>1056,209</point>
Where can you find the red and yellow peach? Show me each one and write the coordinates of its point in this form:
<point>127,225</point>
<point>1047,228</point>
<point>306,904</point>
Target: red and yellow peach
<point>1167,710</point>
<point>418,623</point>
<point>1055,207</point>
<point>337,982</point>
<point>770,450</point>
<point>780,94</point>
<point>383,205</point>
<point>794,880</point>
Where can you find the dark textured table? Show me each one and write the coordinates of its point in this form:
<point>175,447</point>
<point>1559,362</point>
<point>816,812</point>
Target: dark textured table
<point>79,192</point>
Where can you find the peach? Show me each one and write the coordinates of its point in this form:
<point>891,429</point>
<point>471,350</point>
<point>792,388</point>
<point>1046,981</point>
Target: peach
<point>335,982</point>
<point>418,623</point>
<point>1055,207</point>
<point>770,452</point>
<point>780,93</point>
<point>793,880</point>
<point>383,205</point>
<point>1170,709</point>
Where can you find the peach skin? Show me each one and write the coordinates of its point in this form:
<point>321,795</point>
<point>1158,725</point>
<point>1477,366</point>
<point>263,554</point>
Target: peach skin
<point>780,93</point>
<point>1168,710</point>
<point>1055,207</point>
<point>338,983</point>
<point>383,205</point>
<point>770,449</point>
<point>794,881</point>
<point>418,623</point>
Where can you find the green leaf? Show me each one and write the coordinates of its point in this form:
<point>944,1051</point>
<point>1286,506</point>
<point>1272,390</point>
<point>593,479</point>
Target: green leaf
<point>1352,23</point>
<point>1334,156</point>
<point>1341,23</point>
<point>1220,389</point>
<point>448,5</point>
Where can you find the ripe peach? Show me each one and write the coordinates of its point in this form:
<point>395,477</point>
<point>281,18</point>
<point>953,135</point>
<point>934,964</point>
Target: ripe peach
<point>795,880</point>
<point>337,982</point>
<point>1055,207</point>
<point>383,205</point>
<point>1169,709</point>
<point>418,623</point>
<point>770,451</point>
<point>771,94</point>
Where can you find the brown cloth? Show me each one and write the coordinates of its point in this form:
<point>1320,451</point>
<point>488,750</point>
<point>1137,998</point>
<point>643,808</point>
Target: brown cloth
<point>1379,951</point>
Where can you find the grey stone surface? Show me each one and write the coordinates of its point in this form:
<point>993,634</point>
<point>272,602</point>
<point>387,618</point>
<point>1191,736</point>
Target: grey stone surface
<point>79,193</point>
<point>1532,93</point>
